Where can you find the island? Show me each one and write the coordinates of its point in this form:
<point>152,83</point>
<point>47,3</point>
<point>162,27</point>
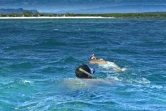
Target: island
<point>21,13</point>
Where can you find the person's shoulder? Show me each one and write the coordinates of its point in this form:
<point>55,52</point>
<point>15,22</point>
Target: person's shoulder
<point>92,61</point>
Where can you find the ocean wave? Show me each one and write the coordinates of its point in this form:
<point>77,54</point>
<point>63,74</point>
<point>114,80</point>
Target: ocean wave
<point>69,59</point>
<point>130,79</point>
<point>51,42</point>
<point>159,87</point>
<point>17,47</point>
<point>21,65</point>
<point>12,82</point>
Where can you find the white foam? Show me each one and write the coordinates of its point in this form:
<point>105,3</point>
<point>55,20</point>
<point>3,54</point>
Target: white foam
<point>115,78</point>
<point>112,66</point>
<point>141,80</point>
<point>129,80</point>
<point>26,81</point>
<point>124,69</point>
<point>75,83</point>
<point>157,87</point>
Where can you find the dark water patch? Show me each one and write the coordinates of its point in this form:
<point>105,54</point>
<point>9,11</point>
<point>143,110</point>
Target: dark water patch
<point>21,91</point>
<point>125,51</point>
<point>77,104</point>
<point>69,59</point>
<point>18,67</point>
<point>153,43</point>
<point>105,103</point>
<point>18,47</point>
<point>6,105</point>
<point>36,76</point>
<point>51,70</point>
<point>157,78</point>
<point>51,42</point>
<point>12,30</point>
<point>5,71</point>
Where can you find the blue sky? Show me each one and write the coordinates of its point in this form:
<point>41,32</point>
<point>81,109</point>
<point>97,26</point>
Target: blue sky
<point>87,5</point>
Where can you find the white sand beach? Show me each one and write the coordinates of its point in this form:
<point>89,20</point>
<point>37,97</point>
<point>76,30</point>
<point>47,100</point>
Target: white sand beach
<point>81,17</point>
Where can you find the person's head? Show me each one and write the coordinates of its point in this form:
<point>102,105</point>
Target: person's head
<point>84,72</point>
<point>92,57</point>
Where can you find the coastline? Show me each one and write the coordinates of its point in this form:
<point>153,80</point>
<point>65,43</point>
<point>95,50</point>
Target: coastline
<point>77,17</point>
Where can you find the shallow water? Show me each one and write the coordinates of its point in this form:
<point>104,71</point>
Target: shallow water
<point>38,59</point>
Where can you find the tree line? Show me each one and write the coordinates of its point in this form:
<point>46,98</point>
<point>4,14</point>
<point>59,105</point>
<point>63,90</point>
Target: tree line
<point>117,15</point>
<point>26,14</point>
<point>125,15</point>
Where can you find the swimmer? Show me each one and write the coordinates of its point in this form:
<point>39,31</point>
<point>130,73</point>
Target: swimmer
<point>106,64</point>
<point>93,57</point>
<point>84,72</point>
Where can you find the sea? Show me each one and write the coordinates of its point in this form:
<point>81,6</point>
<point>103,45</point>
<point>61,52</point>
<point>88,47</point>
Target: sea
<point>38,58</point>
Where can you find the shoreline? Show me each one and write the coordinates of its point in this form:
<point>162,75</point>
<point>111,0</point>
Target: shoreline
<point>77,17</point>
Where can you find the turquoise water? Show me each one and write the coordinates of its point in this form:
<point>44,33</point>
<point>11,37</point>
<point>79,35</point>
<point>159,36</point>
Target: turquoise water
<point>38,59</point>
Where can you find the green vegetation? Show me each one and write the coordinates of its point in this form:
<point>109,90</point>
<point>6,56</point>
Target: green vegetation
<point>125,15</point>
<point>117,15</point>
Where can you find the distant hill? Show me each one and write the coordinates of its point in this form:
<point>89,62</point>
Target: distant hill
<point>18,11</point>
